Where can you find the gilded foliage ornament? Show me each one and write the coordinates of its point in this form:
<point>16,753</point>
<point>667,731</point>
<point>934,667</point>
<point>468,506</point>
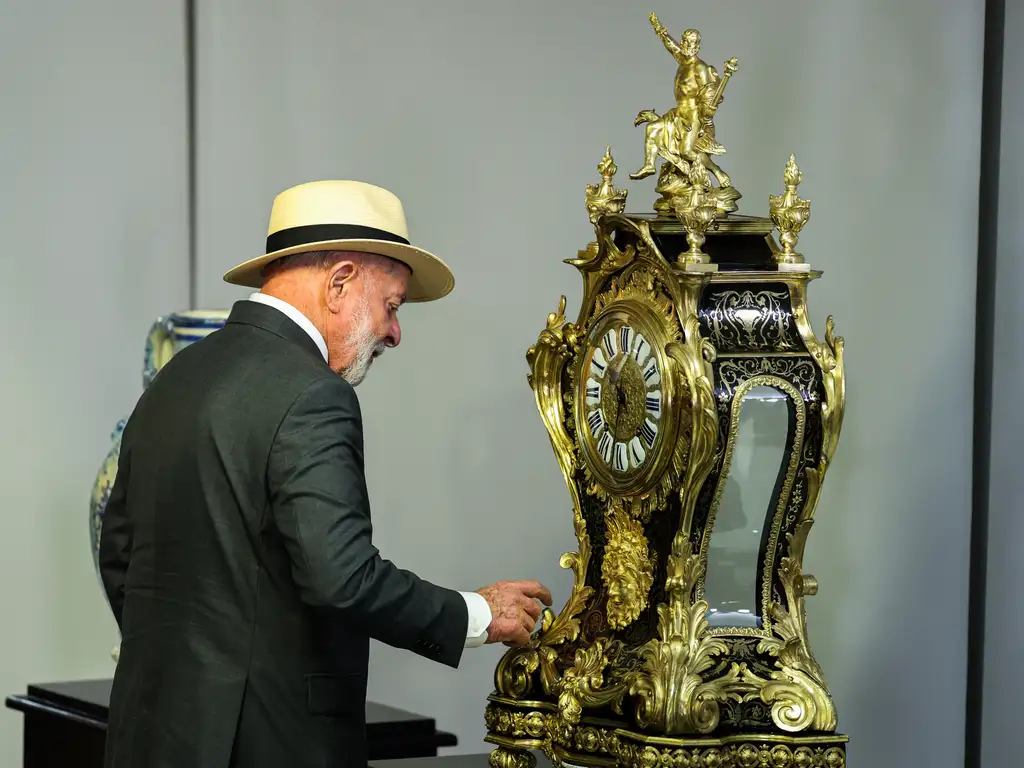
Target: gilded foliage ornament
<point>672,697</point>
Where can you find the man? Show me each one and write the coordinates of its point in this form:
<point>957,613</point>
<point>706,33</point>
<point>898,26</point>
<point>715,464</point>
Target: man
<point>236,548</point>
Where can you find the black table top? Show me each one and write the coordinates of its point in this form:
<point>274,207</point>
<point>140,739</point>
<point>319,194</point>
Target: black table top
<point>92,699</point>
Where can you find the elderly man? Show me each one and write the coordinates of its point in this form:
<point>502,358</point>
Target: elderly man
<point>237,550</point>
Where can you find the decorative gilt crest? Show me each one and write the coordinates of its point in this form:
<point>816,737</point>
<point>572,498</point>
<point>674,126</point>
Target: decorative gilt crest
<point>641,396</point>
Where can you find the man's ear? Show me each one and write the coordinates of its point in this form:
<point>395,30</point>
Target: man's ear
<point>339,283</point>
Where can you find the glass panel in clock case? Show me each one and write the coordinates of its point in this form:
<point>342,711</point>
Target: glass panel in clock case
<point>746,507</point>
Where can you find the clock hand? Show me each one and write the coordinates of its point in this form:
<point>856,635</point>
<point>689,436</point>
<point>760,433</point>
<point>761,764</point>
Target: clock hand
<point>616,369</point>
<point>620,399</point>
<point>613,377</point>
<point>614,372</point>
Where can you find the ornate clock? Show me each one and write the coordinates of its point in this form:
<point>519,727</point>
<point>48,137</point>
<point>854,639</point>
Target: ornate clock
<point>693,414</point>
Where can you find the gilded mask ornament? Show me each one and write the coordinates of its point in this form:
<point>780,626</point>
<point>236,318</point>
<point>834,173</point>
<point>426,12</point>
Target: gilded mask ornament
<point>626,568</point>
<point>693,414</point>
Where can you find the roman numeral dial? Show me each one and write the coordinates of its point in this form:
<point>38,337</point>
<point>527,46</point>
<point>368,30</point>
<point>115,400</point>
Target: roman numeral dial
<point>622,399</point>
<point>632,404</point>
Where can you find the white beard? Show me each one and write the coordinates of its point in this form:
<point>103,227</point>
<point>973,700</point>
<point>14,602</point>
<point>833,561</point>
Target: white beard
<point>366,348</point>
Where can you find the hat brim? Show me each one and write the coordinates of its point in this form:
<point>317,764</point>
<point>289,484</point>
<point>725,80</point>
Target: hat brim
<point>431,279</point>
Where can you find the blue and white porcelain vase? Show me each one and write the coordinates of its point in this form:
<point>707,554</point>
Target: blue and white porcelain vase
<point>167,336</point>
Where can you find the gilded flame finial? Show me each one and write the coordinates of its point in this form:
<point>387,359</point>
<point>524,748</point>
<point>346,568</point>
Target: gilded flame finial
<point>603,198</point>
<point>697,211</point>
<point>789,213</point>
<point>685,134</point>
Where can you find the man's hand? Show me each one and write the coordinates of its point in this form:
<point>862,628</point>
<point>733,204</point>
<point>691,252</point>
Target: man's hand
<point>514,610</point>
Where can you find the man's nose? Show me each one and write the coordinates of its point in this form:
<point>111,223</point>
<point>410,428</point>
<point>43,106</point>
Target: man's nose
<point>394,336</point>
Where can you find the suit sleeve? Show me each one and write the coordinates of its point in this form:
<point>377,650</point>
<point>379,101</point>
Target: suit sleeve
<point>319,502</point>
<point>116,537</point>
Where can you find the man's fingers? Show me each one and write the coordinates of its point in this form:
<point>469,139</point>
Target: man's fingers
<point>514,629</point>
<point>528,622</point>
<point>520,636</point>
<point>534,589</point>
<point>523,621</point>
<point>532,607</point>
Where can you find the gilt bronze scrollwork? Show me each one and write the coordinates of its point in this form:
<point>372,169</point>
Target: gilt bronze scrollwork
<point>693,323</point>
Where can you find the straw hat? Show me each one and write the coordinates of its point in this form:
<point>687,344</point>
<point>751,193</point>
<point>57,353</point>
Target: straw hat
<point>345,216</point>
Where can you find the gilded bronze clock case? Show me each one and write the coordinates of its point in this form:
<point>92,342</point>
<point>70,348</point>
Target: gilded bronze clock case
<point>630,664</point>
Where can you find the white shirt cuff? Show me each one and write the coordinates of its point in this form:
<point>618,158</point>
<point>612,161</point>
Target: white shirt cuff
<point>479,619</point>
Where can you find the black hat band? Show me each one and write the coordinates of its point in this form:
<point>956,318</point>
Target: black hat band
<point>318,233</point>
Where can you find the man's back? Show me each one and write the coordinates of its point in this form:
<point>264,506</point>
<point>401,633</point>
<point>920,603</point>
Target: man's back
<point>235,633</point>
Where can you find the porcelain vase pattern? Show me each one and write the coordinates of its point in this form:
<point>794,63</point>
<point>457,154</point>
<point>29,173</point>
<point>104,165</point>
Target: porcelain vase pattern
<point>167,336</point>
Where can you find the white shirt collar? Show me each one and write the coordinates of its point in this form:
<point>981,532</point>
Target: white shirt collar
<point>293,314</point>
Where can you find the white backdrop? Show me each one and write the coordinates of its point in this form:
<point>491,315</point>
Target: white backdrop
<point>93,211</point>
<point>488,121</point>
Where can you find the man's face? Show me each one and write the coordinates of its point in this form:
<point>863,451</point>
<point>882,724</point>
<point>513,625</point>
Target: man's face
<point>690,42</point>
<point>364,317</point>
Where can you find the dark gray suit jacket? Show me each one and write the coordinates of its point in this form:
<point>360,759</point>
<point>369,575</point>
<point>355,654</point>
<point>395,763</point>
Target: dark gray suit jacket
<point>237,557</point>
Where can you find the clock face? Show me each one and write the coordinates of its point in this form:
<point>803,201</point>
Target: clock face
<point>622,391</point>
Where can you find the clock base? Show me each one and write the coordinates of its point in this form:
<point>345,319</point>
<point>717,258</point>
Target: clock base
<point>516,729</point>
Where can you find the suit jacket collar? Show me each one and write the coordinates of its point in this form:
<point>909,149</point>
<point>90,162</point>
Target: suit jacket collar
<point>274,321</point>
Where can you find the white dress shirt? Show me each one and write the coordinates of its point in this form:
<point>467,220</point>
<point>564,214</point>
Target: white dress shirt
<point>476,605</point>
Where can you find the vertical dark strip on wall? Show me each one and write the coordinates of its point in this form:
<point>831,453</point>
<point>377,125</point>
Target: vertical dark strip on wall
<point>190,139</point>
<point>988,216</point>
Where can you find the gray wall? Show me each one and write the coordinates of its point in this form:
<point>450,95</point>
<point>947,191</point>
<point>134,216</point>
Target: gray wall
<point>488,124</point>
<point>93,215</point>
<point>1004,625</point>
<point>489,138</point>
